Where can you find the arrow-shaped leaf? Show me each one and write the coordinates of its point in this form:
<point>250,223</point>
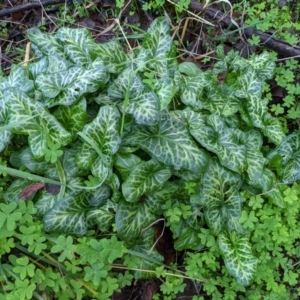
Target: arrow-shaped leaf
<point>144,179</point>
<point>239,261</point>
<point>170,144</point>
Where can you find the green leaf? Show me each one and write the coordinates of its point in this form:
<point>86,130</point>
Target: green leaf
<point>17,79</point>
<point>248,220</point>
<point>188,239</point>
<point>46,43</point>
<point>68,215</point>
<point>124,162</point>
<point>24,268</point>
<point>132,218</point>
<point>5,135</point>
<point>77,44</point>
<point>8,215</point>
<point>103,141</point>
<point>112,55</point>
<point>72,117</point>
<point>68,86</point>
<point>289,150</point>
<point>95,273</point>
<point>149,258</point>
<point>144,179</point>
<point>53,153</point>
<point>143,105</point>
<point>272,129</point>
<point>65,246</point>
<point>227,143</point>
<point>192,93</point>
<point>221,198</point>
<point>112,249</point>
<point>42,128</point>
<point>239,261</point>
<point>165,90</point>
<point>27,175</point>
<point>189,68</point>
<point>170,144</point>
<point>103,216</point>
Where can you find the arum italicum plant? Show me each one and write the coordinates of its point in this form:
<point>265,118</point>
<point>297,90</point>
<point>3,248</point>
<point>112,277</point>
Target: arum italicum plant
<point>124,147</point>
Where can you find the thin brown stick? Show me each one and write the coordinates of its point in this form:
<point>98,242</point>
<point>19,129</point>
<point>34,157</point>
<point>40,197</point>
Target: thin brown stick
<point>267,40</point>
<point>27,6</point>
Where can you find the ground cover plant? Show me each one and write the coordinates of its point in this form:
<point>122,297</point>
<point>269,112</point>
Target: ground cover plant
<point>98,143</point>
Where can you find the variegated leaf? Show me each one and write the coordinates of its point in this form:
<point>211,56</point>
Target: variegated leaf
<point>166,90</point>
<point>5,135</point>
<point>238,258</point>
<point>37,166</point>
<point>194,119</point>
<point>264,65</point>
<point>39,67</point>
<point>144,246</point>
<point>287,148</point>
<point>252,87</point>
<point>132,218</point>
<point>128,79</point>
<point>68,215</point>
<point>46,43</point>
<point>72,117</point>
<point>124,162</point>
<point>102,168</point>
<point>188,239</point>
<point>223,141</point>
<point>266,181</point>
<point>46,201</point>
<point>219,209</point>
<point>291,170</point>
<point>192,93</point>
<point>159,42</point>
<point>144,108</point>
<point>100,196</point>
<point>222,100</point>
<point>145,178</point>
<point>276,197</point>
<point>112,55</point>
<point>103,216</point>
<point>37,128</point>
<point>170,144</point>
<point>86,157</point>
<point>103,140</point>
<point>67,87</point>
<point>11,194</point>
<point>255,163</point>
<point>220,196</point>
<point>58,64</point>
<point>19,79</point>
<point>70,167</point>
<point>272,129</point>
<point>78,44</point>
<point>289,151</point>
<point>114,183</point>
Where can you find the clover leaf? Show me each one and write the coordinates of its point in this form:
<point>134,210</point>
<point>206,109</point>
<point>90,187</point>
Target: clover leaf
<point>53,153</point>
